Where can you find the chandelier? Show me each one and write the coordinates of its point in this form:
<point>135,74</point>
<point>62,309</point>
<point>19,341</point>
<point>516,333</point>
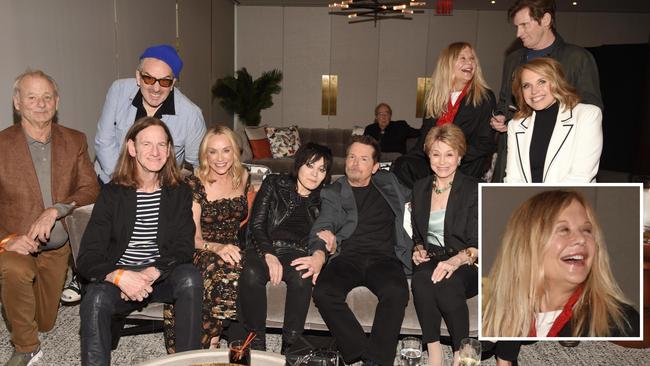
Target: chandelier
<point>359,11</point>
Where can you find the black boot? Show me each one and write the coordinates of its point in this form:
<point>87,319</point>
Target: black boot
<point>259,342</point>
<point>288,338</point>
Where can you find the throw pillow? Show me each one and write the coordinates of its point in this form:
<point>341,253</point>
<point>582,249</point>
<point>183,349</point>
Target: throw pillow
<point>261,149</point>
<point>259,142</point>
<point>285,141</point>
<point>358,130</point>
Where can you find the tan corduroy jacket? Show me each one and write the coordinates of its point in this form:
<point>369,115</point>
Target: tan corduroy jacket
<point>73,176</point>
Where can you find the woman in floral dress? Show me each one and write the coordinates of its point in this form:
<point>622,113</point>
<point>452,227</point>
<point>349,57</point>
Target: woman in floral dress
<point>219,207</point>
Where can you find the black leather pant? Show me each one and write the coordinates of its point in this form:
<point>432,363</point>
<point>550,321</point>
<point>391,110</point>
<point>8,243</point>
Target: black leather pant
<point>385,278</point>
<point>101,302</point>
<point>252,292</point>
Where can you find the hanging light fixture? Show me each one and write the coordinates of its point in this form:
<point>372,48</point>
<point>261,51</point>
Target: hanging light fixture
<point>360,11</point>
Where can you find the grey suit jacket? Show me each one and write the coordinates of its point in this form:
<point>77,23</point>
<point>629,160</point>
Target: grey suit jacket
<point>339,214</point>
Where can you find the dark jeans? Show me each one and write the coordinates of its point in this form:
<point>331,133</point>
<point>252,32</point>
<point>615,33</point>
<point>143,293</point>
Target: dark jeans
<point>445,299</point>
<point>252,292</point>
<point>384,277</point>
<point>101,302</point>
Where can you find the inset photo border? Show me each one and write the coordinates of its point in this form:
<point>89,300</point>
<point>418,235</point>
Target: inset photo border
<point>619,211</point>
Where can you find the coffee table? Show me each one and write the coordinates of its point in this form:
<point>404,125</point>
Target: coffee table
<point>208,357</point>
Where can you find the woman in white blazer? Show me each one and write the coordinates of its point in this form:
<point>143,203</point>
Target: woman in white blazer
<point>552,138</point>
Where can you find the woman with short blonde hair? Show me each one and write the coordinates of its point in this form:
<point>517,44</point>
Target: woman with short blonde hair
<point>444,217</point>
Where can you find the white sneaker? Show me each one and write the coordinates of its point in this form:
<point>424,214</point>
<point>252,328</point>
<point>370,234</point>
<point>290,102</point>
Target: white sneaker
<point>72,292</point>
<point>25,358</point>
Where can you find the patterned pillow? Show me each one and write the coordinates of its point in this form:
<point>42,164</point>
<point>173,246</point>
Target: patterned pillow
<point>285,141</point>
<point>358,130</point>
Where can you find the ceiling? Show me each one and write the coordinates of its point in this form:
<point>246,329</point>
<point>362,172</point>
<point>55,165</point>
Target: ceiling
<point>609,6</point>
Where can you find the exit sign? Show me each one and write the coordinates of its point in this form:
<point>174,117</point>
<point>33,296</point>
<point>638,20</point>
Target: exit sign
<point>444,7</point>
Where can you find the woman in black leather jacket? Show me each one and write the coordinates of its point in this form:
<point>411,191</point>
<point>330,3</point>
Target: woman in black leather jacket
<point>284,210</point>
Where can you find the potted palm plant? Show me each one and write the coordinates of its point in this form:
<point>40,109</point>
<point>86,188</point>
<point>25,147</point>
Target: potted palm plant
<point>246,97</point>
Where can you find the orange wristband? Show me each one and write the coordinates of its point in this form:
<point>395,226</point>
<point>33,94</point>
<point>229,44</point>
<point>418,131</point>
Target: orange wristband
<point>5,240</point>
<point>116,280</point>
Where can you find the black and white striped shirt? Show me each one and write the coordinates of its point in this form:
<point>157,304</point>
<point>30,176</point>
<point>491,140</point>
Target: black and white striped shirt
<point>143,247</point>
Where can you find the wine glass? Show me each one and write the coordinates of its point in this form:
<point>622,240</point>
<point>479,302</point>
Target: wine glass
<point>470,352</point>
<point>411,351</point>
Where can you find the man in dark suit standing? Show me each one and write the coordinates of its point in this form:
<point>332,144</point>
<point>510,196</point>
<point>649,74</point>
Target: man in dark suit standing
<point>535,24</point>
<point>361,221</point>
<point>45,172</point>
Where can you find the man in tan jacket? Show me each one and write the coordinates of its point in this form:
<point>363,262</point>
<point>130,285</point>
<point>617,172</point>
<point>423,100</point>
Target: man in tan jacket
<point>45,172</point>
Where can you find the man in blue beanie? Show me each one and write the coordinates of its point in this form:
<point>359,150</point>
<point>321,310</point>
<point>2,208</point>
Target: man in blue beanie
<point>150,93</point>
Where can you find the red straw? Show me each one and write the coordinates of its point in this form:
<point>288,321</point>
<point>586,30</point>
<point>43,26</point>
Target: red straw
<point>250,338</point>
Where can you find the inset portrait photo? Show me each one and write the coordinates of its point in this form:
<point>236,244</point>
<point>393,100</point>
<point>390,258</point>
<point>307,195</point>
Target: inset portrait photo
<point>560,262</point>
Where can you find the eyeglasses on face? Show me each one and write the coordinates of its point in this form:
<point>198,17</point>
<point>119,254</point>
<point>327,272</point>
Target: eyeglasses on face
<point>150,80</point>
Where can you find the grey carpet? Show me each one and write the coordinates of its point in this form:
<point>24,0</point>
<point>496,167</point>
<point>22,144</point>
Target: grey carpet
<point>61,348</point>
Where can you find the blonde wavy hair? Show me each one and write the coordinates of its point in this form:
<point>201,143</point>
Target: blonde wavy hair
<point>551,70</point>
<point>237,169</point>
<point>516,280</point>
<point>443,81</point>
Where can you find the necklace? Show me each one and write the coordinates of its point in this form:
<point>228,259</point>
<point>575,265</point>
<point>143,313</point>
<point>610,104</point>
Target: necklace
<point>440,190</point>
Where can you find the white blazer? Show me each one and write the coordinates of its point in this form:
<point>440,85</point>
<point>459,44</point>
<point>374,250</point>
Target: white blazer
<point>573,153</point>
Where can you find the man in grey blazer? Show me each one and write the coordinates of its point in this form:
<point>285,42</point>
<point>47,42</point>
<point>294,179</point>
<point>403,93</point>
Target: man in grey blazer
<point>151,93</point>
<point>361,223</point>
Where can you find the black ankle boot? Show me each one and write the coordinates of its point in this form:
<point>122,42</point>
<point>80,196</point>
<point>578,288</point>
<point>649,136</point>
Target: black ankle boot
<point>259,342</point>
<point>288,338</point>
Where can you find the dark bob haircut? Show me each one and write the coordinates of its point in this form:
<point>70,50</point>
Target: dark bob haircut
<point>310,153</point>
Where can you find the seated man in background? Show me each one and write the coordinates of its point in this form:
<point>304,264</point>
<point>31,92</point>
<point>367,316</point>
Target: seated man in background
<point>45,172</point>
<point>392,135</point>
<point>361,219</point>
<point>151,93</point>
<point>138,245</point>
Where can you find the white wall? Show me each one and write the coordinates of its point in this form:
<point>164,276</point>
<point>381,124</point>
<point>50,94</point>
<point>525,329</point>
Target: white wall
<point>382,64</point>
<point>85,45</point>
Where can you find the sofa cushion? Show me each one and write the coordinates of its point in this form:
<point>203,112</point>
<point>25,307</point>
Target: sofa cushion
<point>337,139</point>
<point>362,303</point>
<point>261,149</point>
<point>358,130</point>
<point>285,141</point>
<point>259,142</point>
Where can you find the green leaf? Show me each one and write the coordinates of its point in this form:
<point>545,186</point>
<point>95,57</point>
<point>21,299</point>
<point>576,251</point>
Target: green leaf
<point>247,97</point>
